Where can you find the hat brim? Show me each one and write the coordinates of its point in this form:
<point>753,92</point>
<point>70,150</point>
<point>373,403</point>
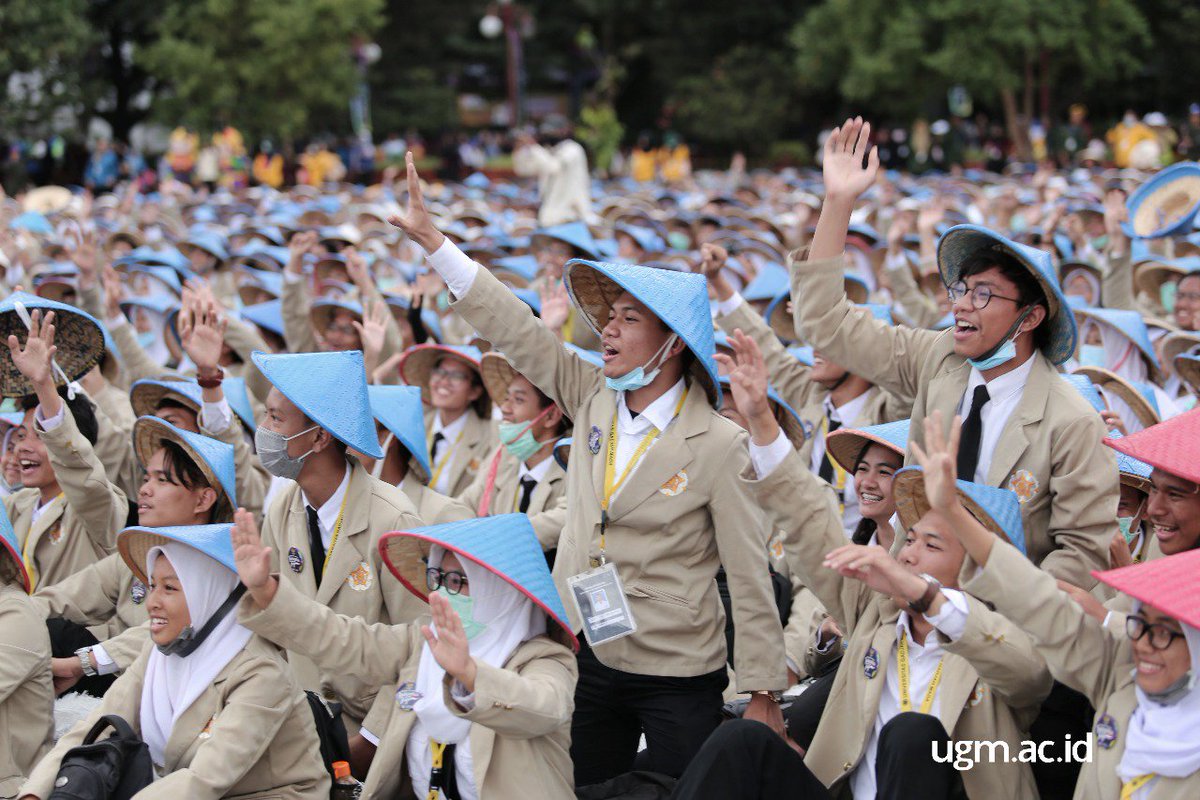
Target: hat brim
<point>846,446</point>
<point>1105,379</point>
<point>908,489</point>
<point>322,315</point>
<point>1188,369</point>
<point>145,397</point>
<point>1166,204</point>
<point>135,543</point>
<point>497,374</point>
<point>418,363</point>
<point>78,336</point>
<point>150,432</point>
<point>1151,275</point>
<point>406,560</point>
<point>1178,343</point>
<point>19,564</point>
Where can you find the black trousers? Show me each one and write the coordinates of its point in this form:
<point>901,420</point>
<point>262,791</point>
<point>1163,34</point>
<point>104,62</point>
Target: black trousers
<point>65,638</point>
<point>745,760</point>
<point>613,709</point>
<point>1064,712</point>
<point>804,713</point>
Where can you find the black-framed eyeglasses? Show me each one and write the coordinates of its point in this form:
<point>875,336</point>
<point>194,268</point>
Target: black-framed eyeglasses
<point>436,577</point>
<point>1160,635</point>
<point>449,375</point>
<point>980,295</point>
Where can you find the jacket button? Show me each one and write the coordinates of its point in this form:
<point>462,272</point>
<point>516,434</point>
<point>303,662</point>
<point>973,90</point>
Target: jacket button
<point>497,704</point>
<point>846,766</point>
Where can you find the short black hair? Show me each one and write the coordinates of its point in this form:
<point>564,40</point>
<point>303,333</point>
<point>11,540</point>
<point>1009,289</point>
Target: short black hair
<point>1029,290</point>
<point>81,409</point>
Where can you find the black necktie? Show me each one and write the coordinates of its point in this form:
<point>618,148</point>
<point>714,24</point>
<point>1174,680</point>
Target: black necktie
<point>527,484</point>
<point>438,438</point>
<point>316,546</point>
<point>826,470</point>
<point>972,433</point>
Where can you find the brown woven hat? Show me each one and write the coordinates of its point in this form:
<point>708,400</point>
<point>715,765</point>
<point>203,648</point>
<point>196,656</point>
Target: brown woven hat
<point>497,374</point>
<point>78,337</point>
<point>1177,343</point>
<point>1187,367</point>
<point>150,432</point>
<point>908,489</point>
<point>1110,381</point>
<point>1149,276</point>
<point>418,362</point>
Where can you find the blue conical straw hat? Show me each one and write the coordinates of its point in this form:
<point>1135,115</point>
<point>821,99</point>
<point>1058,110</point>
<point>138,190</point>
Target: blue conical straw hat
<point>213,457</point>
<point>998,510</point>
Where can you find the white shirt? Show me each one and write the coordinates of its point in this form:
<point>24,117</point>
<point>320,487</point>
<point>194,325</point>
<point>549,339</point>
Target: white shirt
<point>1004,393</point>
<point>47,425</point>
<point>537,472</point>
<point>922,664</point>
<point>726,307</point>
<point>456,267</point>
<point>216,417</point>
<point>844,414</point>
<point>327,514</point>
<point>631,430</point>
<point>446,449</point>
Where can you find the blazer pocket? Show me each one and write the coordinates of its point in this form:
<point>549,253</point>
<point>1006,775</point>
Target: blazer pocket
<point>651,593</point>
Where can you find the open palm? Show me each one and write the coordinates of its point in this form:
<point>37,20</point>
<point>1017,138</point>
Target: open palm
<point>847,147</point>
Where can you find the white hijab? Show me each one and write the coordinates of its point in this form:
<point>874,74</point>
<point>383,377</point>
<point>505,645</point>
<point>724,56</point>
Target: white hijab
<point>1162,738</point>
<point>511,618</point>
<point>174,682</point>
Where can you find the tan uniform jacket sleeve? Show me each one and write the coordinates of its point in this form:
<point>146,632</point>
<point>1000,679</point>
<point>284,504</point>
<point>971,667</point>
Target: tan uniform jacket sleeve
<point>920,307</point>
<point>251,479</point>
<point>888,356</point>
<point>1005,657</point>
<point>1116,285</point>
<point>536,701</point>
<point>125,647</point>
<point>803,621</point>
<point>548,523</point>
<point>89,597</point>
<point>788,377</point>
<point>91,299</point>
<point>137,363</point>
<point>114,416</point>
<point>1080,651</point>
<point>297,327</point>
<point>97,502</point>
<point>372,653</point>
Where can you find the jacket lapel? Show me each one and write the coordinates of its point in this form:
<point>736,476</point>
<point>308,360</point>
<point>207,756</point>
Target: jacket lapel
<point>50,518</point>
<point>1030,409</point>
<point>543,490</point>
<point>346,554</point>
<point>958,683</point>
<point>193,723</point>
<point>603,407</point>
<point>669,454</point>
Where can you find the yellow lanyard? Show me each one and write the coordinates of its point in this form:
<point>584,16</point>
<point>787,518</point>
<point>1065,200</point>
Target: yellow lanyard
<point>1141,780</point>
<point>438,749</point>
<point>902,665</point>
<point>437,472</point>
<point>337,529</point>
<point>610,466</point>
<point>839,474</point>
<point>27,550</point>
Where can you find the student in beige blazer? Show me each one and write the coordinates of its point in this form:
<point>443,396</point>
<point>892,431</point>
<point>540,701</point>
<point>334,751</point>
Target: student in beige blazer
<point>324,529</point>
<point>490,679</point>
<point>680,515</point>
<point>1141,680</point>
<point>459,419</point>
<point>1046,439</point>
<point>27,704</point>
<point>221,714</point>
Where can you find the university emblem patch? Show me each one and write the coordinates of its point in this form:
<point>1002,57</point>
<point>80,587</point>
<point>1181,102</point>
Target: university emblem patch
<point>1024,485</point>
<point>676,484</point>
<point>361,578</point>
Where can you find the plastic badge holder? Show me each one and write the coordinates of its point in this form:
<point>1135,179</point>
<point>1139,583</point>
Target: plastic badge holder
<point>600,600</point>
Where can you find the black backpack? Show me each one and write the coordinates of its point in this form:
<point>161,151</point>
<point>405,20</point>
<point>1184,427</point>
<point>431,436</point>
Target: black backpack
<point>331,731</point>
<point>116,768</point>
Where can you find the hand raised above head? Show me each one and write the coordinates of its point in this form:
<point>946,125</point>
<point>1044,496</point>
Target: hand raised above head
<point>850,161</point>
<point>416,221</point>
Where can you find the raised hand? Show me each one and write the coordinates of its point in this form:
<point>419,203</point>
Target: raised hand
<point>930,216</point>
<point>416,221</point>
<point>939,459</point>
<point>712,259</point>
<point>114,292</point>
<point>299,246</point>
<point>35,358</point>
<point>85,260</point>
<point>356,268</point>
<point>748,384</point>
<point>556,306</point>
<point>252,558</point>
<point>846,177</point>
<point>449,645</point>
<point>876,568</point>
<point>372,332</point>
<point>1115,212</point>
<point>202,333</point>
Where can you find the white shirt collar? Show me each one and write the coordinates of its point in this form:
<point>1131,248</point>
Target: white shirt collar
<point>848,412</point>
<point>452,430</point>
<point>903,625</point>
<point>327,514</point>
<point>1008,383</point>
<point>538,473</point>
<point>659,413</point>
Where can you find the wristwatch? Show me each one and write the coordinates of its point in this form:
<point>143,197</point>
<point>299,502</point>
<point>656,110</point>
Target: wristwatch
<point>775,697</point>
<point>922,603</point>
<point>85,661</point>
<point>210,380</point>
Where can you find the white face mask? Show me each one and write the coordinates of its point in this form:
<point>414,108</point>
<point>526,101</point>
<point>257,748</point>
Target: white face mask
<point>272,452</point>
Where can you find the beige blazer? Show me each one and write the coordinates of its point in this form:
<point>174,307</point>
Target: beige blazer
<point>251,478</point>
<point>26,689</point>
<point>114,413</point>
<point>547,503</point>
<point>80,526</point>
<point>1084,654</point>
<point>681,514</point>
<point>434,508</point>
<point>297,327</point>
<point>1050,450</point>
<point>521,741</point>
<point>993,681</point>
<point>249,735</point>
<point>355,581</point>
<point>469,457</point>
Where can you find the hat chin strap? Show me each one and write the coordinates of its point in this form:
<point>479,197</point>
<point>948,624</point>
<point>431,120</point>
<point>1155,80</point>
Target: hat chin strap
<point>188,640</point>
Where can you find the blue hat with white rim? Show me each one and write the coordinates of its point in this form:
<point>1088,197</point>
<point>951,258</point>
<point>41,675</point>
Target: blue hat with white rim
<point>399,409</point>
<point>268,316</point>
<point>769,283</point>
<point>239,400</point>
<point>33,222</point>
<point>515,270</point>
<point>505,545</point>
<point>1165,205</point>
<point>1129,324</point>
<point>576,234</point>
<point>136,542</point>
<point>678,299</point>
<point>645,238</point>
<point>210,242</point>
<point>79,337</point>
<point>324,309</point>
<point>337,402</point>
<point>8,537</point>
<point>998,510</point>
<point>962,241</point>
<point>846,445</point>
<point>213,457</point>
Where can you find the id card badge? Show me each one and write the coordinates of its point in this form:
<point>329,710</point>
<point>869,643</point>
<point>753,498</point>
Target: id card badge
<point>600,600</point>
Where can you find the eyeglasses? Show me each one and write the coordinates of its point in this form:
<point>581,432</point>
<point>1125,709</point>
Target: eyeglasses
<point>449,375</point>
<point>454,582</point>
<point>1160,635</point>
<point>980,295</point>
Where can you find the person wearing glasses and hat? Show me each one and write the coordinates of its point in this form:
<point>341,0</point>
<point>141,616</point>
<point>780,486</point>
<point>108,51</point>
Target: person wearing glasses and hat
<point>459,421</point>
<point>522,475</point>
<point>1140,680</point>
<point>188,479</point>
<point>654,506</point>
<point>911,632</point>
<point>218,708</point>
<point>27,707</point>
<point>1024,429</point>
<point>324,528</point>
<point>480,695</point>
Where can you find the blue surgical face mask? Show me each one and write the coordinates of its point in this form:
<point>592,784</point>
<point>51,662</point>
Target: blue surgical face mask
<point>518,438</point>
<point>1005,352</point>
<point>638,377</point>
<point>1166,294</point>
<point>1091,355</point>
<point>443,300</point>
<point>464,607</point>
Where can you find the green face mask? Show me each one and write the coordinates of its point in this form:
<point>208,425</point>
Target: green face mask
<point>1166,294</point>
<point>464,606</point>
<point>518,439</point>
<point>1127,530</point>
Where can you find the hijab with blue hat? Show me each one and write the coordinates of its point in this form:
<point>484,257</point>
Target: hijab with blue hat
<point>338,402</point>
<point>202,558</point>
<point>214,458</point>
<point>678,299</point>
<point>963,241</point>
<point>998,510</point>
<point>1123,336</point>
<point>79,336</point>
<point>399,409</point>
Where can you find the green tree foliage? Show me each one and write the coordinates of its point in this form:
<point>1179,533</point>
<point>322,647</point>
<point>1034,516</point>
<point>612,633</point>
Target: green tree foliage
<point>279,68</point>
<point>41,62</point>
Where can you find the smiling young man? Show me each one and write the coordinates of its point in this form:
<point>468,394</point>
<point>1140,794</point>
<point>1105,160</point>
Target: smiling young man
<point>1024,428</point>
<point>654,506</point>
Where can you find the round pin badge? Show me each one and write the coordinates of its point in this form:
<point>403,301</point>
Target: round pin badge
<point>407,696</point>
<point>871,663</point>
<point>1106,731</point>
<point>295,560</point>
<point>594,440</point>
<point>137,592</point>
